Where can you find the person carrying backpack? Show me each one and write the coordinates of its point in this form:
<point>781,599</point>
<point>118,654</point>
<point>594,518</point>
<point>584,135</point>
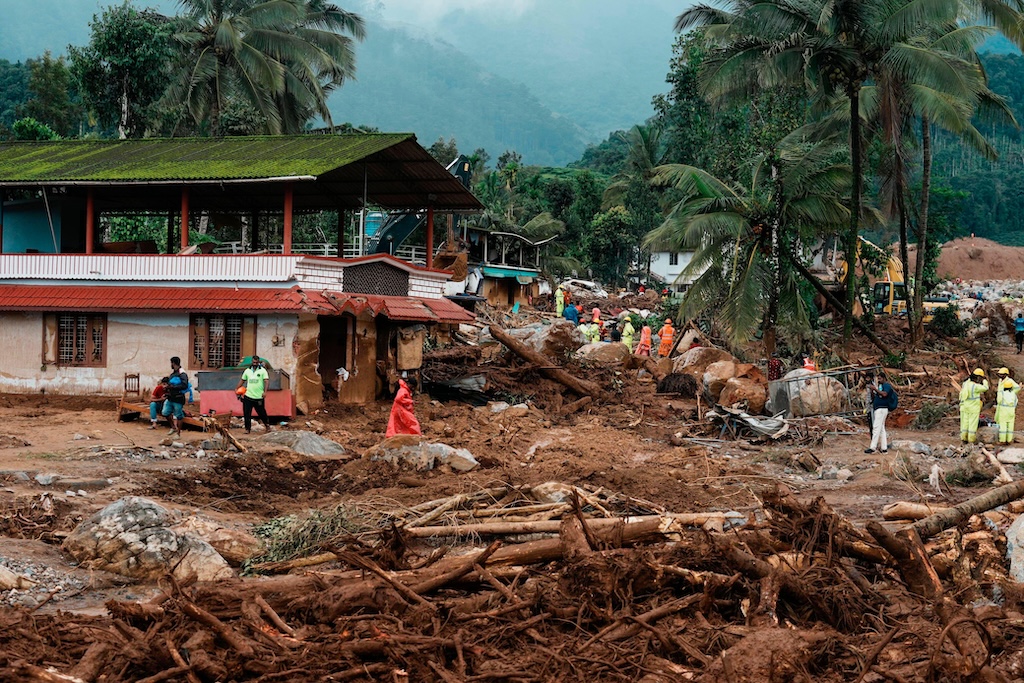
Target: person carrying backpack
<point>883,399</point>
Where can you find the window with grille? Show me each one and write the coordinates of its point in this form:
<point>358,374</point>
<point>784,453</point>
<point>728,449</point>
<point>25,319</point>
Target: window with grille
<point>376,278</point>
<point>673,258</point>
<point>221,340</point>
<point>82,339</point>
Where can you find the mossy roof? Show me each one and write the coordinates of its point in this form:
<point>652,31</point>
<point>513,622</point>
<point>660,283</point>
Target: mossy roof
<point>392,169</point>
<point>169,159</point>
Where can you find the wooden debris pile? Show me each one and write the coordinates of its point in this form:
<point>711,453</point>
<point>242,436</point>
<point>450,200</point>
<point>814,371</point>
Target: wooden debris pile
<point>805,595</point>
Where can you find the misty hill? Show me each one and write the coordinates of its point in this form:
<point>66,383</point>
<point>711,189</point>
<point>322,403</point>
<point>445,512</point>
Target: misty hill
<point>408,80</point>
<point>598,62</point>
<point>432,89</point>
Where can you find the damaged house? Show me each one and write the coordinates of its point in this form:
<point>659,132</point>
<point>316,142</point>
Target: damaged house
<point>78,315</point>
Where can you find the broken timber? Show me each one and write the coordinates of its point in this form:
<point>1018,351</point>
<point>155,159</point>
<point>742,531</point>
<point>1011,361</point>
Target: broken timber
<point>581,387</point>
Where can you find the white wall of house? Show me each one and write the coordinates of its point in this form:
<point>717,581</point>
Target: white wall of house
<point>281,354</point>
<point>136,342</point>
<point>669,267</point>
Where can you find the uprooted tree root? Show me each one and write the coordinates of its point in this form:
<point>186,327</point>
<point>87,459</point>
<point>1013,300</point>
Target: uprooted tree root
<point>804,596</point>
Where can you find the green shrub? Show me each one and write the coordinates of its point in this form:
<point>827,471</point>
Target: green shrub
<point>947,323</point>
<point>930,415</point>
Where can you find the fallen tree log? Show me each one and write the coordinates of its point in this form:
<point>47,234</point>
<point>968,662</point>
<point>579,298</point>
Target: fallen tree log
<point>940,521</point>
<point>281,591</point>
<point>912,511</point>
<point>553,526</point>
<point>581,387</point>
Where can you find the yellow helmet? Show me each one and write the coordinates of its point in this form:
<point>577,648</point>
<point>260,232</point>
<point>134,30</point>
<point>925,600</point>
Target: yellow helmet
<point>1003,371</point>
<point>979,373</point>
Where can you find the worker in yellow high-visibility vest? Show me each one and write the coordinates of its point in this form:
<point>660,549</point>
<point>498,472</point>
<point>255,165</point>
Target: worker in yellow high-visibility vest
<point>970,405</point>
<point>1006,405</point>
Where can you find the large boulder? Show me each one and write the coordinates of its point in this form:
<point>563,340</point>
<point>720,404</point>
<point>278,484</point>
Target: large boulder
<point>556,340</point>
<point>134,537</point>
<point>604,353</point>
<point>234,545</point>
<point>696,360</point>
<point>715,377</point>
<point>738,390</point>
<point>421,453</point>
<point>304,443</point>
<point>814,393</point>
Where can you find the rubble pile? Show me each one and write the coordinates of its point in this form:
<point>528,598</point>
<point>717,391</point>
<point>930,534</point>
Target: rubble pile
<point>803,594</point>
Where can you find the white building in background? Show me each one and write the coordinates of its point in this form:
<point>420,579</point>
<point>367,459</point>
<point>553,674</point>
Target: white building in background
<point>668,266</point>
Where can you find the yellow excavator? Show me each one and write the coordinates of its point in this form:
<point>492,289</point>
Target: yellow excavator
<point>889,295</point>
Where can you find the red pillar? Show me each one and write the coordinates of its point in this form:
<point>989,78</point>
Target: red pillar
<point>289,203</point>
<point>430,237</point>
<point>90,222</point>
<point>184,217</point>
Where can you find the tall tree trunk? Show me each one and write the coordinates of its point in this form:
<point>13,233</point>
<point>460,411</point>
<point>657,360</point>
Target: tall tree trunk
<point>850,248</point>
<point>902,203</point>
<point>922,227</point>
<point>772,314</point>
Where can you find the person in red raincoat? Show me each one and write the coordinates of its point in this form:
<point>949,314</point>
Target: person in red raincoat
<point>403,419</point>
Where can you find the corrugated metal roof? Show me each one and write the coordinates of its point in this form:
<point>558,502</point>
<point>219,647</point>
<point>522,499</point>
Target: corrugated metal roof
<point>223,300</point>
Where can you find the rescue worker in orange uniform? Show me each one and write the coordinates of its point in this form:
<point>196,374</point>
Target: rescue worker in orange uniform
<point>643,348</point>
<point>667,335</point>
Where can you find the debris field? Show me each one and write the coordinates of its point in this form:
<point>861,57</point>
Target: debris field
<point>619,524</point>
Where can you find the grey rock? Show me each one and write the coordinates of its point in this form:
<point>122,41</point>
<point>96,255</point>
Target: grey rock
<point>844,474</point>
<point>988,435</point>
<point>912,446</point>
<point>422,454</point>
<point>46,479</point>
<point>177,444</point>
<point>304,443</point>
<point>1011,456</point>
<point>1015,549</point>
<point>133,537</point>
<point>828,473</point>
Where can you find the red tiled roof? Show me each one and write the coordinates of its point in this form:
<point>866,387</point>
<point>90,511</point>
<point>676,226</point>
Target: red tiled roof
<point>402,307</point>
<point>195,299</point>
<point>94,298</point>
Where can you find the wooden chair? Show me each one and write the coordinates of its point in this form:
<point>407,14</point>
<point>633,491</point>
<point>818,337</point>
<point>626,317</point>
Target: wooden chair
<point>132,386</point>
<point>130,397</point>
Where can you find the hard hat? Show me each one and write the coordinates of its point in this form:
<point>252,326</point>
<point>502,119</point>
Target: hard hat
<point>668,320</point>
<point>979,372</point>
<point>240,391</point>
<point>1004,371</point>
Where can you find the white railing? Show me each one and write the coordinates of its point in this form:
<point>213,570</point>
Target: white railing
<point>148,267</point>
<point>413,254</point>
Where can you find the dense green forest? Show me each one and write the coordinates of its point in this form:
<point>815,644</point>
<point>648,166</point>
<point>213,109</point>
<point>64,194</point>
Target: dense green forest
<point>749,160</point>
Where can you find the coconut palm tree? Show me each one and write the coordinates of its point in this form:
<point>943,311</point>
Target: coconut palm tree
<point>737,233</point>
<point>631,187</point>
<point>833,46</point>
<point>281,57</point>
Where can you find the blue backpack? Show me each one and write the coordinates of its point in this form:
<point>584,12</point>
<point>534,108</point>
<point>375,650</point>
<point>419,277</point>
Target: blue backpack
<point>894,400</point>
